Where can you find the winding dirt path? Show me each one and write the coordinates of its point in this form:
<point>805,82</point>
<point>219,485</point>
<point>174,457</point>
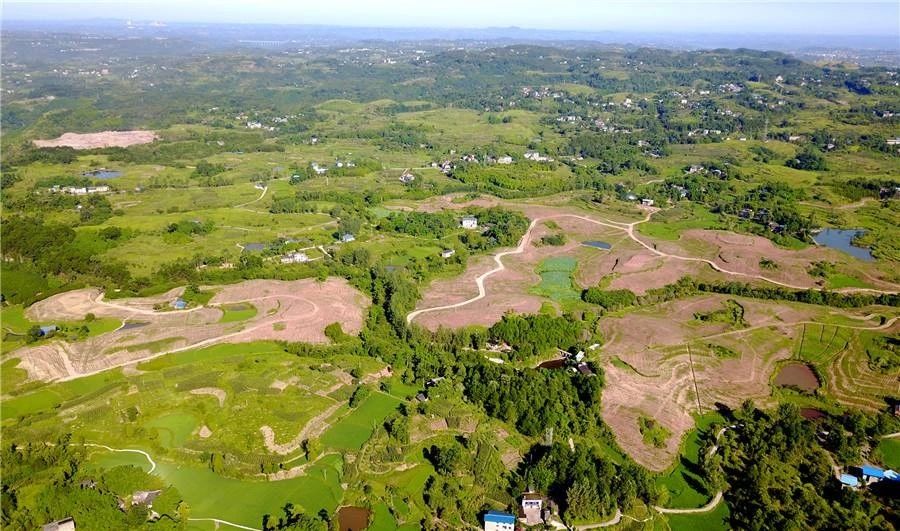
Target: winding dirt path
<point>205,342</point>
<point>315,426</point>
<point>611,522</point>
<point>128,450</point>
<point>263,194</point>
<point>705,509</point>
<point>628,228</point>
<point>218,522</point>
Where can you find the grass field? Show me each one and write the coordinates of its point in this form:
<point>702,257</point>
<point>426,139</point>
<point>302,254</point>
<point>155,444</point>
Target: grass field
<point>714,520</point>
<point>557,281</point>
<point>669,224</point>
<point>684,484</point>
<point>241,501</point>
<point>890,452</point>
<point>237,312</point>
<point>354,429</point>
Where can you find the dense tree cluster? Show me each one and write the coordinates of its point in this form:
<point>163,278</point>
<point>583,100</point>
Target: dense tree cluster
<point>44,482</point>
<point>535,400</point>
<point>779,476</point>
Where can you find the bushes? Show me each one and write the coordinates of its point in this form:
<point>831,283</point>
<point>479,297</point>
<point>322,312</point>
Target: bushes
<point>610,300</point>
<point>529,335</point>
<point>884,353</point>
<point>809,158</point>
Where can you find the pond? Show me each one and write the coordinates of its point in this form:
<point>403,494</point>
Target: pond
<point>597,244</point>
<point>842,240</point>
<point>811,413</point>
<point>558,363</point>
<point>799,375</point>
<point>103,173</point>
<point>353,518</point>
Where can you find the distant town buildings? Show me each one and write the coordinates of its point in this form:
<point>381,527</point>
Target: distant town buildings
<point>80,190</point>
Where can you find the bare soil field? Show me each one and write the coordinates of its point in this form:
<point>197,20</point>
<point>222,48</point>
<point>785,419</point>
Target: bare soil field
<point>671,370</point>
<point>742,253</point>
<point>99,140</point>
<point>301,309</point>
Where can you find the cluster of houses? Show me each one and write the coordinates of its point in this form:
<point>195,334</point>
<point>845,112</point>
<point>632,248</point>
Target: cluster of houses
<point>761,216</point>
<point>446,165</point>
<point>537,157</point>
<point>79,190</point>
<point>534,510</point>
<point>540,93</point>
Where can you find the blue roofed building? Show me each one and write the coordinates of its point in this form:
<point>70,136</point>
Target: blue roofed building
<point>870,472</point>
<point>179,304</point>
<point>48,329</point>
<point>849,480</point>
<point>499,521</point>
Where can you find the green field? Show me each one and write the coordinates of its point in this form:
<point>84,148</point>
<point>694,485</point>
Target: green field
<point>557,281</point>
<point>355,428</point>
<point>684,484</point>
<point>237,312</point>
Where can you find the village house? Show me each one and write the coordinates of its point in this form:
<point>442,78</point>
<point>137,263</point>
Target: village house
<point>469,222</point>
<point>318,169</point>
<point>646,202</point>
<point>347,237</point>
<point>499,521</point>
<point>295,258</point>
<point>536,157</point>
<point>407,177</point>
<point>447,253</point>
<point>506,159</point>
<point>893,141</point>
<point>532,503</point>
<point>179,304</point>
<point>47,330</point>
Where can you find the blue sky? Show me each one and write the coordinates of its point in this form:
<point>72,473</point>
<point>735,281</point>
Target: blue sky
<point>671,16</point>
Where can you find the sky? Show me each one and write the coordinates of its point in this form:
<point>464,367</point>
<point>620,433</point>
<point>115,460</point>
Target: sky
<point>798,17</point>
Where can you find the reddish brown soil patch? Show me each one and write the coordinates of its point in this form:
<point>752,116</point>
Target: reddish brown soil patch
<point>304,306</point>
<point>353,518</point>
<point>99,140</point>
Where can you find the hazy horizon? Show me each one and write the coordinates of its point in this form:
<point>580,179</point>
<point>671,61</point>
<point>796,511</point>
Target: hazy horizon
<point>881,19</point>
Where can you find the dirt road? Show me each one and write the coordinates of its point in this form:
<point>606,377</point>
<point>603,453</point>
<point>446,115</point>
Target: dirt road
<point>629,229</point>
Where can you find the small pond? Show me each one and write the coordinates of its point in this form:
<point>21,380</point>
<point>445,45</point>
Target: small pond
<point>841,239</point>
<point>254,247</point>
<point>811,413</point>
<point>799,375</point>
<point>353,518</point>
<point>558,363</point>
<point>103,173</point>
<point>597,244</point>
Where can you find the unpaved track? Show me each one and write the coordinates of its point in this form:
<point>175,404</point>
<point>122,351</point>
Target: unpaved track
<point>127,450</point>
<point>628,228</point>
<point>263,194</point>
<point>315,426</point>
<point>223,522</point>
<point>705,509</point>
